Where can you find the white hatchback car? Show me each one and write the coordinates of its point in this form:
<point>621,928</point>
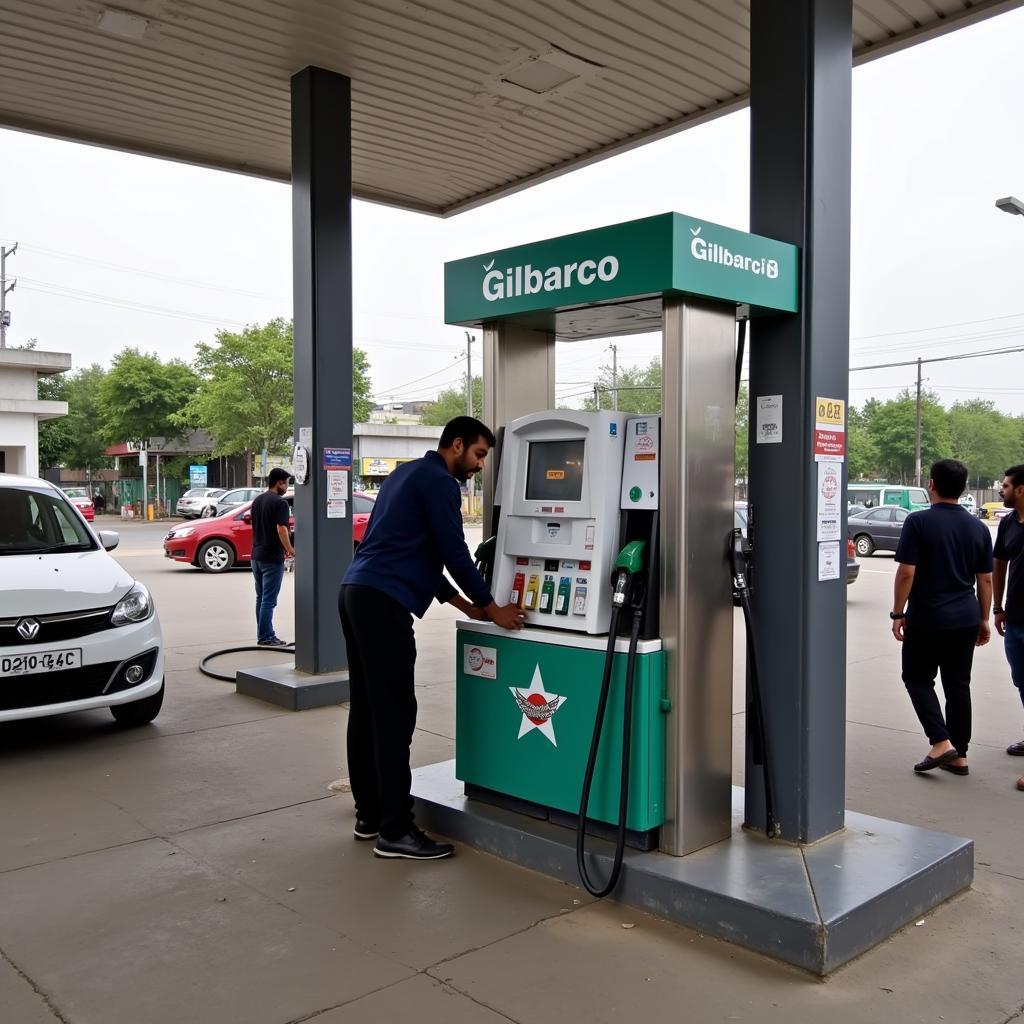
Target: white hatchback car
<point>76,631</point>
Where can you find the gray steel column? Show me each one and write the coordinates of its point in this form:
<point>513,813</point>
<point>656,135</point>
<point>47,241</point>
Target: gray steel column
<point>322,261</point>
<point>518,378</point>
<point>696,516</point>
<point>800,193</point>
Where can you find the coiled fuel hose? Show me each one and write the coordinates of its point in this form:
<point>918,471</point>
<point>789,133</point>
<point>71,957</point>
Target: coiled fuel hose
<point>595,743</point>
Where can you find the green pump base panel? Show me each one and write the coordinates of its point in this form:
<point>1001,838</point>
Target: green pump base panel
<point>525,707</point>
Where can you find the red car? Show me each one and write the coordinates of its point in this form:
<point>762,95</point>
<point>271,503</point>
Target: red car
<point>215,545</point>
<point>79,497</point>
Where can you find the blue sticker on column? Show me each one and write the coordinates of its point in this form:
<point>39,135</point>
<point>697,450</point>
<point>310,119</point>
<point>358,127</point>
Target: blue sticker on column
<point>613,429</point>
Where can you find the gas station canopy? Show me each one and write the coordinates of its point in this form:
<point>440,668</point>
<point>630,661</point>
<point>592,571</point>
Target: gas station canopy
<point>453,103</point>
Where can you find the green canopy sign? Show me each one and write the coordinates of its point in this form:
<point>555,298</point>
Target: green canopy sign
<point>666,254</point>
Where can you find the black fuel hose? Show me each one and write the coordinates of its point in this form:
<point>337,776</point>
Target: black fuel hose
<point>207,671</point>
<point>760,753</point>
<point>595,743</point>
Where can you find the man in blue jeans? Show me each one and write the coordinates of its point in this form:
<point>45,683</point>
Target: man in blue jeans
<point>271,544</point>
<point>1008,566</point>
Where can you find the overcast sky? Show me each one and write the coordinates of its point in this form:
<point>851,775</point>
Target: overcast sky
<point>120,250</point>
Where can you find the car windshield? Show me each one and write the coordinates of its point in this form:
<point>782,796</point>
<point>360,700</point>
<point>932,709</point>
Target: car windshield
<point>197,492</point>
<point>38,522</point>
<point>76,492</point>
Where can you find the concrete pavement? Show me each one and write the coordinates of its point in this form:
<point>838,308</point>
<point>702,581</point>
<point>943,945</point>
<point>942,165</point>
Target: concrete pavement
<point>200,869</point>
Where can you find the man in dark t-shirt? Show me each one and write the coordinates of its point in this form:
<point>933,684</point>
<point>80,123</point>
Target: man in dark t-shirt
<point>1008,573</point>
<point>945,569</point>
<point>271,544</point>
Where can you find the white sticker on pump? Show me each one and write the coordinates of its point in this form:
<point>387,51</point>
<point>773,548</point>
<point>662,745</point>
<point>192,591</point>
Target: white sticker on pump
<point>589,545</point>
<point>480,661</point>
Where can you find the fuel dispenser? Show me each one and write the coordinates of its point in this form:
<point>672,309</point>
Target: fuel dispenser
<point>579,720</point>
<point>611,712</point>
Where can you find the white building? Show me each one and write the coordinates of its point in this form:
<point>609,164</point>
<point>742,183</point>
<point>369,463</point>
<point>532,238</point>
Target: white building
<point>20,408</point>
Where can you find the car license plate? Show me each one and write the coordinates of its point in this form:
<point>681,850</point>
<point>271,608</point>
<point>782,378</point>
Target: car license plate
<point>43,661</point>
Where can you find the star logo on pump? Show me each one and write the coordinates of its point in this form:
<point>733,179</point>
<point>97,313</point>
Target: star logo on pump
<point>538,707</point>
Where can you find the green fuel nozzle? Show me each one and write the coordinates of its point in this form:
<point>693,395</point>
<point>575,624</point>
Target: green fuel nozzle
<point>631,557</point>
<point>626,573</point>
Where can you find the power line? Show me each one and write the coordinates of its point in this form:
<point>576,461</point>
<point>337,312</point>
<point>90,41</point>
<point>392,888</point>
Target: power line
<point>401,387</point>
<point>941,359</point>
<point>937,327</point>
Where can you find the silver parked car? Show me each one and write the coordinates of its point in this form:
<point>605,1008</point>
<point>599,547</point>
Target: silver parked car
<point>193,504</point>
<point>232,499</point>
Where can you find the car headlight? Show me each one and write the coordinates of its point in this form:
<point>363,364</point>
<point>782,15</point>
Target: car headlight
<point>135,606</point>
<point>185,531</point>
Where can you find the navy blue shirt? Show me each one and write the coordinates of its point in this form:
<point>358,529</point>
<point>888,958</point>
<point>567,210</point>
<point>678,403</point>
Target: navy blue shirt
<point>948,548</point>
<point>1009,548</point>
<point>414,533</point>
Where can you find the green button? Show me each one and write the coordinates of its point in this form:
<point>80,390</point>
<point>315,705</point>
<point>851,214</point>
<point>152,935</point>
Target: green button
<point>635,494</point>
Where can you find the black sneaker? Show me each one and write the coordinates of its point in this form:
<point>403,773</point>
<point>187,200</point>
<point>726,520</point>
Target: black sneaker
<point>364,830</point>
<point>414,845</point>
<point>274,641</point>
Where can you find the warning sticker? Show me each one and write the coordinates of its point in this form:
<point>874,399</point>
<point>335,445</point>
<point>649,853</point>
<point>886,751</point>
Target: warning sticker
<point>830,413</point>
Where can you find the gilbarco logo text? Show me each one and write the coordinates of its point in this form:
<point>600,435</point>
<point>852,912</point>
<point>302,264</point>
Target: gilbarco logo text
<point>711,252</point>
<point>529,280</point>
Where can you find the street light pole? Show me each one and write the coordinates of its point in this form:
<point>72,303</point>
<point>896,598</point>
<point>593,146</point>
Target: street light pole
<point>1010,204</point>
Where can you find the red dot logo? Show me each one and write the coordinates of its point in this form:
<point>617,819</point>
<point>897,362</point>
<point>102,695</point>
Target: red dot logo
<point>537,701</point>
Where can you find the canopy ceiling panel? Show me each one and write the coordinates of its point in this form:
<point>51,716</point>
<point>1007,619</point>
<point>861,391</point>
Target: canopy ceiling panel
<point>453,103</point>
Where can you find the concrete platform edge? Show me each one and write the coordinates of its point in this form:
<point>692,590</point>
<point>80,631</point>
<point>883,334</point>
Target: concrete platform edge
<point>712,891</point>
<point>298,691</point>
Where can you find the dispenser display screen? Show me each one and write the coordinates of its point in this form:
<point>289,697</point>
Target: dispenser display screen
<point>554,471</point>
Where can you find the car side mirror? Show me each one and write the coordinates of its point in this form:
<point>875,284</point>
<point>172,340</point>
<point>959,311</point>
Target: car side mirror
<point>247,518</point>
<point>109,539</point>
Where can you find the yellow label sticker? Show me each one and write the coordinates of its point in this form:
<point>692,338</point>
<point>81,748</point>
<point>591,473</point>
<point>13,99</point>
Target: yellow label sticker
<point>556,474</point>
<point>830,411</point>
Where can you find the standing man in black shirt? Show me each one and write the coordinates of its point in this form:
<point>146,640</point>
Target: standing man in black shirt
<point>945,569</point>
<point>271,544</point>
<point>1009,566</point>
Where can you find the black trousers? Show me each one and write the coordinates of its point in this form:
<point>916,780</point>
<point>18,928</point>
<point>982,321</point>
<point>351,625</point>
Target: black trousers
<point>382,707</point>
<point>949,652</point>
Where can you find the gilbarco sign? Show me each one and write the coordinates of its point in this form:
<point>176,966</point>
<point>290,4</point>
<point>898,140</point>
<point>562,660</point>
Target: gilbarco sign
<point>666,254</point>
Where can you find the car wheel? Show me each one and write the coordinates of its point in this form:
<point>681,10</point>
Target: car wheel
<point>208,512</point>
<point>864,545</point>
<point>139,712</point>
<point>216,556</point>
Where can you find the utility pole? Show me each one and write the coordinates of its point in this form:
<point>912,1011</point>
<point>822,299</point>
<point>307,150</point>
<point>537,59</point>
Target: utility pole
<point>469,373</point>
<point>615,376</point>
<point>5,317</point>
<point>597,399</point>
<point>917,429</point>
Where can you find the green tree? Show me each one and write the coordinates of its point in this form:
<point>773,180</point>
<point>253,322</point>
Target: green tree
<point>245,395</point>
<point>891,427</point>
<point>984,439</point>
<point>452,402</point>
<point>78,440</point>
<point>362,401</point>
<point>861,452</point>
<point>742,433</point>
<point>140,396</point>
<point>55,436</point>
<point>245,399</point>
<point>638,387</point>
